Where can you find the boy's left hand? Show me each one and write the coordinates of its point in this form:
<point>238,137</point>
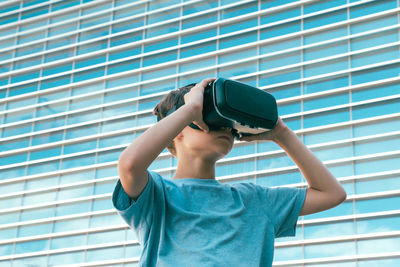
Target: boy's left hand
<point>272,135</point>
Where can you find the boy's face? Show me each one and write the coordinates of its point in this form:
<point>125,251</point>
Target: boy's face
<point>212,145</point>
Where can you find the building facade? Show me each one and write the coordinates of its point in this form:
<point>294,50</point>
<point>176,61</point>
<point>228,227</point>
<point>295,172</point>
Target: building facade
<point>79,80</point>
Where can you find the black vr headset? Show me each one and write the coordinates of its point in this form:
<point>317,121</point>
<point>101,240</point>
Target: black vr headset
<point>243,108</point>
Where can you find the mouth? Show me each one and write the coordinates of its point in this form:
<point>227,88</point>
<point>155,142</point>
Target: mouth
<point>225,137</point>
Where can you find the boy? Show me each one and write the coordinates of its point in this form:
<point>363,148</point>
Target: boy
<point>194,220</point>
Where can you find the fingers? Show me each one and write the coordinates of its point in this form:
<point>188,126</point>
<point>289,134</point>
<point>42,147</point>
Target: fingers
<point>201,86</point>
<point>205,82</point>
<point>202,125</point>
<point>208,80</point>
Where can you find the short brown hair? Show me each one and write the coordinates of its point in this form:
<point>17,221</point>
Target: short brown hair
<point>172,99</point>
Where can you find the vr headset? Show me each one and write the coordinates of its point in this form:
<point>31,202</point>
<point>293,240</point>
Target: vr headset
<point>243,108</point>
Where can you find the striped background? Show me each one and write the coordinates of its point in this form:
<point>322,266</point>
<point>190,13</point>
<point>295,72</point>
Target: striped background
<point>79,79</point>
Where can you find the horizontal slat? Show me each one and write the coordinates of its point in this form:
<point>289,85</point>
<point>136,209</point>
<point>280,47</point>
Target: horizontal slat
<point>376,15</point>
<point>231,64</point>
<point>109,164</point>
<point>121,146</point>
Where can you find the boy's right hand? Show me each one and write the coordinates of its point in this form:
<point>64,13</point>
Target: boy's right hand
<point>194,98</point>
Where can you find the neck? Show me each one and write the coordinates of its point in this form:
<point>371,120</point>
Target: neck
<point>195,168</point>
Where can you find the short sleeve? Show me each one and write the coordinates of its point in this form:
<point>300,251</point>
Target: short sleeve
<point>283,208</point>
<point>137,214</point>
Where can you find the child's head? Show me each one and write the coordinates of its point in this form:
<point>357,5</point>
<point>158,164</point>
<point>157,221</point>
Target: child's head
<point>189,138</point>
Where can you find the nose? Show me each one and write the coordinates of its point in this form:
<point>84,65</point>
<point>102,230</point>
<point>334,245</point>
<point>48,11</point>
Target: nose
<point>226,128</point>
<point>229,131</point>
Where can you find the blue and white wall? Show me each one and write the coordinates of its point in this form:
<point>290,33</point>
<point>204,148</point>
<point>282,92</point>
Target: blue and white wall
<point>79,79</point>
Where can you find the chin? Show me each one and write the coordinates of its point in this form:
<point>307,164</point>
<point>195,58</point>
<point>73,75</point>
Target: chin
<point>223,153</point>
<point>217,154</point>
<point>213,150</point>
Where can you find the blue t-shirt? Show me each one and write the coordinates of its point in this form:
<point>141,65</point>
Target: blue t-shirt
<point>196,222</point>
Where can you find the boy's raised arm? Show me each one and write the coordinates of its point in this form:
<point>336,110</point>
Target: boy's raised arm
<point>137,157</point>
<point>324,191</point>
